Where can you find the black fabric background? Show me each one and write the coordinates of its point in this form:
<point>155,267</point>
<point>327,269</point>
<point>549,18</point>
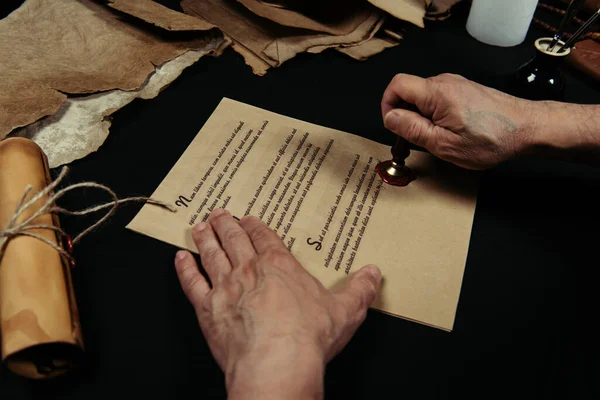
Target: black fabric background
<point>528,303</point>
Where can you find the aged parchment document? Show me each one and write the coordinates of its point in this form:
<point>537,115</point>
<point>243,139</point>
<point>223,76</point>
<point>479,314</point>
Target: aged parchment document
<point>317,188</point>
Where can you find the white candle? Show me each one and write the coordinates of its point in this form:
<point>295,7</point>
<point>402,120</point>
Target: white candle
<point>501,22</point>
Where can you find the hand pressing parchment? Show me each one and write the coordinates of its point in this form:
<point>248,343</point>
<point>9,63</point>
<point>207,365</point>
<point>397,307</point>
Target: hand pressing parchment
<point>270,325</point>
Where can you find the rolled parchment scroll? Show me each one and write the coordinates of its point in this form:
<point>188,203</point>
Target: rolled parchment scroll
<point>39,323</point>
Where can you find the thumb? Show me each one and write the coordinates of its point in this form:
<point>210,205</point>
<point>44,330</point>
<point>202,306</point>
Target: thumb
<point>411,126</point>
<point>360,289</point>
<point>192,282</point>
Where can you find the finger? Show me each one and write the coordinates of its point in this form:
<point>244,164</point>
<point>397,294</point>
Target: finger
<point>213,258</point>
<point>360,289</point>
<point>234,240</point>
<point>409,88</point>
<point>262,237</point>
<point>192,282</point>
<point>415,128</point>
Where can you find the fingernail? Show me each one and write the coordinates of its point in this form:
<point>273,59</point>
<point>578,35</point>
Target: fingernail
<point>375,272</point>
<point>391,120</point>
<point>180,255</point>
<point>200,227</point>
<point>217,211</point>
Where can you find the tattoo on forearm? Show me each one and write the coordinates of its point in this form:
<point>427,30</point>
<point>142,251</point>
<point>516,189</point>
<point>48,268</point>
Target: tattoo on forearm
<point>483,120</point>
<point>494,131</point>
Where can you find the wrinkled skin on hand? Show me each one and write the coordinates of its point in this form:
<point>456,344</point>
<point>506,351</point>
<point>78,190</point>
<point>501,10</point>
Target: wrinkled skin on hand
<point>262,311</point>
<point>460,121</point>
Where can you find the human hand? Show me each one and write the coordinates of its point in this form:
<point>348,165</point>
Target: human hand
<point>270,325</point>
<point>462,122</point>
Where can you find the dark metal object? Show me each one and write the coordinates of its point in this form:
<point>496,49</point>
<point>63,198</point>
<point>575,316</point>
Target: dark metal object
<point>581,31</point>
<point>395,172</point>
<point>571,12</point>
<point>541,78</point>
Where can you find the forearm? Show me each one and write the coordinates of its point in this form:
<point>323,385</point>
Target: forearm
<point>278,375</point>
<point>564,131</point>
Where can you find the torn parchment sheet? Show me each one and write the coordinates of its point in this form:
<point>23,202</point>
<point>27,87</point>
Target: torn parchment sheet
<point>54,48</point>
<point>264,43</point>
<point>82,124</point>
<point>412,11</point>
<point>161,16</point>
<point>439,10</point>
<point>346,20</point>
<point>415,11</point>
<point>368,49</point>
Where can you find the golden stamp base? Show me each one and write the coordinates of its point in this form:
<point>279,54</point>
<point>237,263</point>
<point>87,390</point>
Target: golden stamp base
<point>395,174</point>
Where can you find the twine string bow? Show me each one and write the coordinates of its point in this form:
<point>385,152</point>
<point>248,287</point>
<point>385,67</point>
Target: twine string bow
<point>15,228</point>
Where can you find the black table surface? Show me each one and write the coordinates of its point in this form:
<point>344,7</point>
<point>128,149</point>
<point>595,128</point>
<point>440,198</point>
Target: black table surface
<point>528,302</point>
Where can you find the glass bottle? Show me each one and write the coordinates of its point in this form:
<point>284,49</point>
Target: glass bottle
<point>541,78</point>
